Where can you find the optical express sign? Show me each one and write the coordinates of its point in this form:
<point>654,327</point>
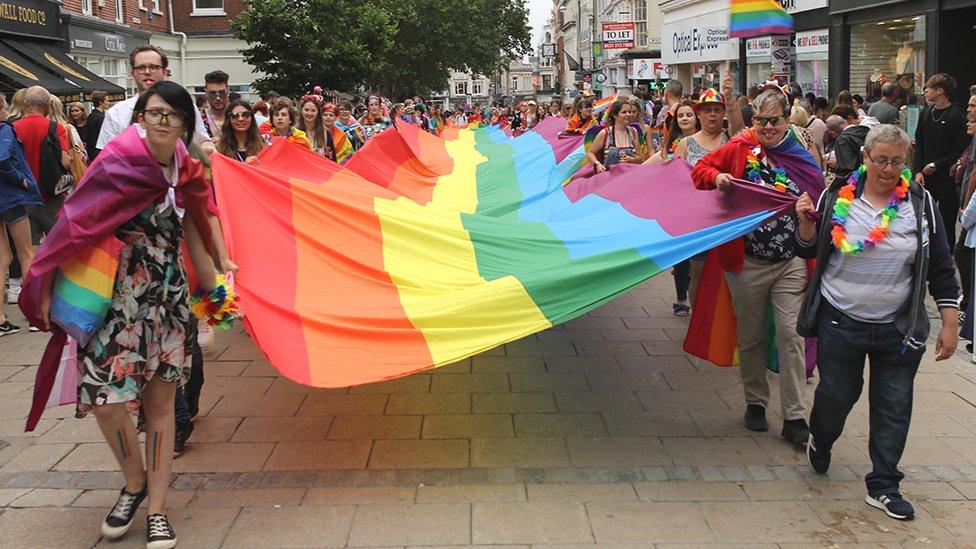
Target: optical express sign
<point>697,39</point>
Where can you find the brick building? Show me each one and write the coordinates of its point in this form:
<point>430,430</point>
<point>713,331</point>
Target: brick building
<point>195,34</point>
<point>203,42</point>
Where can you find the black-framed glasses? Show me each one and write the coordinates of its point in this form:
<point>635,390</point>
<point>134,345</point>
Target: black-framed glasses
<point>880,163</point>
<point>155,117</point>
<point>762,121</point>
<point>217,93</point>
<point>246,115</point>
<point>147,68</point>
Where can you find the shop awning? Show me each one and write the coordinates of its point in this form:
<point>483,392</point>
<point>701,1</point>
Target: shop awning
<point>25,73</point>
<point>56,61</point>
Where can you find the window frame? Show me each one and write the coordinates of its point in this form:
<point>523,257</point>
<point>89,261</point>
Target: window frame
<point>207,12</point>
<point>120,11</point>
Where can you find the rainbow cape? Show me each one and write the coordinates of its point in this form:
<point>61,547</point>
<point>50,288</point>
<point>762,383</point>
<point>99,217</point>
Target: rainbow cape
<point>423,250</point>
<point>749,18</point>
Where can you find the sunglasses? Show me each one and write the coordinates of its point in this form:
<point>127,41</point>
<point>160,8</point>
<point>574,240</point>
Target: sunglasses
<point>217,93</point>
<point>762,121</point>
<point>240,115</point>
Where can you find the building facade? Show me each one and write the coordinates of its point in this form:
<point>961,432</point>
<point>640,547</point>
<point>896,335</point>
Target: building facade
<point>33,46</point>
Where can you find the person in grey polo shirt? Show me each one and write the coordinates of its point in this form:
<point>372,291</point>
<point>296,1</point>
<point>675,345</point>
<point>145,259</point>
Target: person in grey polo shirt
<point>880,239</point>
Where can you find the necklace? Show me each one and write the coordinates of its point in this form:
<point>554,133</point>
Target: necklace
<point>754,171</point>
<point>939,119</point>
<point>842,209</point>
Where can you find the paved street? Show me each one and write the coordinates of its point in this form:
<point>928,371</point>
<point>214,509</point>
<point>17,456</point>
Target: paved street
<point>599,431</point>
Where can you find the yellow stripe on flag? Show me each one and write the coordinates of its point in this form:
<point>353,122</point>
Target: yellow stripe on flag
<point>458,311</point>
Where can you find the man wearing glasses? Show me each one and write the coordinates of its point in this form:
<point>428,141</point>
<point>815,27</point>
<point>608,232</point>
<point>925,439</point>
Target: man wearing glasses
<point>218,96</point>
<point>149,65</point>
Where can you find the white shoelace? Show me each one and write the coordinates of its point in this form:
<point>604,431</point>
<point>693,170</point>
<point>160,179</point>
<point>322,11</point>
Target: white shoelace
<point>124,505</point>
<point>159,527</point>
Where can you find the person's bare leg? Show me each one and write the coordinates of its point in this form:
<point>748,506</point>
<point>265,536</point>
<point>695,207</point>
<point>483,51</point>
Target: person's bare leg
<point>120,433</point>
<point>21,235</point>
<point>6,258</point>
<point>157,401</point>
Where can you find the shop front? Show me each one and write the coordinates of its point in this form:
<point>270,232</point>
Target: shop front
<point>103,48</point>
<point>873,42</point>
<point>32,53</point>
<point>800,57</point>
<point>695,44</point>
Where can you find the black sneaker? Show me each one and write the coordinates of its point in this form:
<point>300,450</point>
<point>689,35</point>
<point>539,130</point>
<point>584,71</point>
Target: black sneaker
<point>8,328</point>
<point>159,534</point>
<point>893,505</point>
<point>796,431</point>
<point>118,521</point>
<point>183,432</point>
<point>756,418</point>
<point>819,460</point>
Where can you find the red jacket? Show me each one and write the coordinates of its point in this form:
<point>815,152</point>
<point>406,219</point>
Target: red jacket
<point>731,159</point>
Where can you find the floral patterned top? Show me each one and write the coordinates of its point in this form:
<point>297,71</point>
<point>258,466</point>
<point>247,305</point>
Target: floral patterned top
<point>775,240</point>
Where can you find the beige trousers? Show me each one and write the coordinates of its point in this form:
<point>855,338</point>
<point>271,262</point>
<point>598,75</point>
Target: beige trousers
<point>752,290</point>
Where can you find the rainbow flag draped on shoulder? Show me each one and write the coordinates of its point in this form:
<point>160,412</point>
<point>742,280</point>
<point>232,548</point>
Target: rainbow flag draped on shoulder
<point>424,250</point>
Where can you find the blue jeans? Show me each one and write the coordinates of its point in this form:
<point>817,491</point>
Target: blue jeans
<point>842,347</point>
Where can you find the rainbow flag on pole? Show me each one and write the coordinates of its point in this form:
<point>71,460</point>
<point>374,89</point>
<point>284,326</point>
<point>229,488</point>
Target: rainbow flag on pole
<point>751,18</point>
<point>424,250</point>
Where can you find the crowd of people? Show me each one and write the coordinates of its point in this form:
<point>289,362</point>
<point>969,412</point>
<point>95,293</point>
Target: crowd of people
<point>875,208</point>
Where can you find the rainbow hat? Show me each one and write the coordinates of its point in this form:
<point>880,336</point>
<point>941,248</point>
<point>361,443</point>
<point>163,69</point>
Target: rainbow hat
<point>711,96</point>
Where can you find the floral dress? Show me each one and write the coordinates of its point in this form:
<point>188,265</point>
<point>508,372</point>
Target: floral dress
<point>144,334</point>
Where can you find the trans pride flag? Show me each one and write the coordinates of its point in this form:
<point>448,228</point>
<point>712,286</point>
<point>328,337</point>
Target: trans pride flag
<point>751,18</point>
<point>424,250</point>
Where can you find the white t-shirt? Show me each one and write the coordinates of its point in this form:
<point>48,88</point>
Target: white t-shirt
<point>119,117</point>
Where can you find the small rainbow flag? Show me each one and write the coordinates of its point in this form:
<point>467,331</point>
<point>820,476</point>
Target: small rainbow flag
<point>751,18</point>
<point>83,287</point>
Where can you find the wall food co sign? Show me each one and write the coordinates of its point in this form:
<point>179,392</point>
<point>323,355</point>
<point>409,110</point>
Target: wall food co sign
<point>29,17</point>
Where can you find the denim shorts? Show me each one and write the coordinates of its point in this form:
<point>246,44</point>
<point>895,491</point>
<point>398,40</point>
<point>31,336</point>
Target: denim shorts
<point>14,214</point>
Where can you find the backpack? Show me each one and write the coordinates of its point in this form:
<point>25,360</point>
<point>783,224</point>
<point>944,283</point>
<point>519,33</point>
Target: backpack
<point>54,179</point>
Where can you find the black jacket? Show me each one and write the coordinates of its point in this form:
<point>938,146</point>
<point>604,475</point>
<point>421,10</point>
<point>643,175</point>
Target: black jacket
<point>847,150</point>
<point>92,128</point>
<point>933,263</point>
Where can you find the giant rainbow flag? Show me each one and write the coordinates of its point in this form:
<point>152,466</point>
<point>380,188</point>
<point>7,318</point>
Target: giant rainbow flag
<point>423,250</point>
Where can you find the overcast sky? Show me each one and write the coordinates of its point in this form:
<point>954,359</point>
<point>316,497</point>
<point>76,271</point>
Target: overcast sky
<point>539,11</point>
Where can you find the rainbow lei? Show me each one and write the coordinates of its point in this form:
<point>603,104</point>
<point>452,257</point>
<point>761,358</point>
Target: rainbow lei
<point>219,307</point>
<point>754,172</point>
<point>842,209</point>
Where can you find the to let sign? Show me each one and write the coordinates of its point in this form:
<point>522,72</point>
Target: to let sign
<point>618,36</point>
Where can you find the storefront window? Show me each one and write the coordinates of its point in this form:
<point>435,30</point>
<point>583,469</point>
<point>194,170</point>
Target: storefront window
<point>812,76</point>
<point>758,73</point>
<point>708,75</point>
<point>889,51</point>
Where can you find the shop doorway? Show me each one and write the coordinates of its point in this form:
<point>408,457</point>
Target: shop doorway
<point>956,38</point>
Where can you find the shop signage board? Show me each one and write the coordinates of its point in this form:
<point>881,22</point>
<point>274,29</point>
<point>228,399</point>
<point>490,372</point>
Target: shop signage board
<point>698,39</point>
<point>815,41</point>
<point>758,47</point>
<point>646,69</point>
<point>781,55</point>
<point>618,36</point>
<point>38,18</point>
<point>797,6</point>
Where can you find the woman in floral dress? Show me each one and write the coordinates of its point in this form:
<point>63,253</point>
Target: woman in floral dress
<point>140,355</point>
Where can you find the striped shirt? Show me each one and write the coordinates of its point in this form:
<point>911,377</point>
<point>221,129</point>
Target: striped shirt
<point>874,285</point>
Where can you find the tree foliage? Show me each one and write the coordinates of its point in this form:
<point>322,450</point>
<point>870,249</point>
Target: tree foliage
<point>397,47</point>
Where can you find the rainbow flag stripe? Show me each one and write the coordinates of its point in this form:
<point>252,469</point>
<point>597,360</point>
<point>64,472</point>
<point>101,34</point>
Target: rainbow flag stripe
<point>424,250</point>
<point>749,18</point>
<point>82,291</point>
